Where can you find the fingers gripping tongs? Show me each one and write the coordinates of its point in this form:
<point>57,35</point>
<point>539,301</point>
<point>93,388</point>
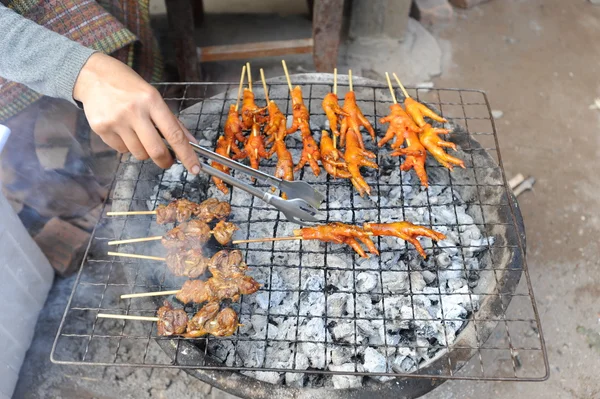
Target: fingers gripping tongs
<point>303,200</point>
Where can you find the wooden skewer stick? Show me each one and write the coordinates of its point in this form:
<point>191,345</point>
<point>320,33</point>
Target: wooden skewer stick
<point>134,240</point>
<point>145,294</point>
<point>267,239</point>
<point>387,76</point>
<point>264,83</point>
<point>401,85</point>
<point>335,81</point>
<point>237,103</point>
<point>127,213</point>
<point>287,75</point>
<point>126,317</point>
<point>350,79</point>
<point>270,239</point>
<point>137,256</point>
<point>249,76</point>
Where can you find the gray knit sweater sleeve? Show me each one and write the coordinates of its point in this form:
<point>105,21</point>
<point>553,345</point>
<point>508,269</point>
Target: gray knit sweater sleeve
<point>38,57</point>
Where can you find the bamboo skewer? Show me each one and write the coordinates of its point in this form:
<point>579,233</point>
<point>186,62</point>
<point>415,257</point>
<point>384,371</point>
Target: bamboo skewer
<point>127,213</point>
<point>134,240</point>
<point>287,75</point>
<point>127,317</point>
<point>335,81</point>
<point>146,294</point>
<point>136,256</point>
<point>270,239</point>
<point>350,79</point>
<point>237,102</point>
<point>401,85</point>
<point>264,83</point>
<point>267,239</point>
<point>249,76</point>
<point>387,76</point>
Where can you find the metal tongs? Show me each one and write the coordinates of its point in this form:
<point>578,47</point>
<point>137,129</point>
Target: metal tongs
<point>303,200</point>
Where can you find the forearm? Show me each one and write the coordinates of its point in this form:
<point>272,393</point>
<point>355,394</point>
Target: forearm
<point>39,58</point>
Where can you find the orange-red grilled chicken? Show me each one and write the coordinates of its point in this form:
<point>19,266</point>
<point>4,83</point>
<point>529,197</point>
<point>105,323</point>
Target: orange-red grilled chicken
<point>275,118</point>
<point>333,111</point>
<point>354,120</point>
<point>418,111</point>
<point>404,230</point>
<point>435,145</point>
<point>355,157</point>
<point>340,233</point>
<point>415,156</point>
<point>310,150</point>
<point>254,149</point>
<point>250,111</point>
<point>299,111</point>
<point>223,148</point>
<point>233,129</point>
<point>400,122</point>
<point>285,164</point>
<point>332,158</point>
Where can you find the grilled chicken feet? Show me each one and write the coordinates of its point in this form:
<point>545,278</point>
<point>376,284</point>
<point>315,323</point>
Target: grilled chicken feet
<point>354,120</point>
<point>356,157</point>
<point>250,111</point>
<point>285,163</point>
<point>435,145</point>
<point>404,230</point>
<point>415,156</point>
<point>333,111</point>
<point>332,158</point>
<point>339,233</point>
<point>400,122</point>
<point>254,149</point>
<point>417,111</point>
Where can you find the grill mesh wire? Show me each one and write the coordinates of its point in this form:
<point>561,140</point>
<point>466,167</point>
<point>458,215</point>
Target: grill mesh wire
<point>514,351</point>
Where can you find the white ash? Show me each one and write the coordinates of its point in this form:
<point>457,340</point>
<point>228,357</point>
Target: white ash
<point>385,305</point>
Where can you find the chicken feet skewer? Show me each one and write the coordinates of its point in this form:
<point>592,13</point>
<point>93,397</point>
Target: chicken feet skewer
<point>415,156</point>
<point>333,111</point>
<point>340,233</point>
<point>285,163</point>
<point>404,230</point>
<point>356,157</point>
<point>254,149</point>
<point>417,110</point>
<point>354,120</point>
<point>332,158</point>
<point>310,151</point>
<point>275,118</point>
<point>400,122</point>
<point>435,145</point>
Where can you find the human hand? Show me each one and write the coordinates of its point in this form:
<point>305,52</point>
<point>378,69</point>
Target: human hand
<point>123,109</point>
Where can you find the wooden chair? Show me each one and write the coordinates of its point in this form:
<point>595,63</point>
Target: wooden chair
<point>324,43</point>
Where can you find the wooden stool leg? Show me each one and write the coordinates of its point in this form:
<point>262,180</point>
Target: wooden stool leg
<point>181,27</point>
<point>327,26</point>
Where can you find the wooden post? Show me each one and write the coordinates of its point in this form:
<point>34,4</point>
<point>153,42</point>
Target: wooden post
<point>181,28</point>
<point>327,26</point>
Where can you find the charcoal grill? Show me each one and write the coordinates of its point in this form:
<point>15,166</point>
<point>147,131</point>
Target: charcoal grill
<point>515,351</point>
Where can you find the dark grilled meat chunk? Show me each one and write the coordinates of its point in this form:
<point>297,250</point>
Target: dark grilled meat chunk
<point>189,235</point>
<point>191,263</point>
<point>223,231</point>
<point>212,209</point>
<point>171,321</point>
<point>216,289</point>
<point>226,264</point>
<point>179,210</point>
<point>209,320</point>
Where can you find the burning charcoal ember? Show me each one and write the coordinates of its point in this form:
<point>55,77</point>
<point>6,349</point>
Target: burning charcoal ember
<point>346,381</point>
<point>223,231</point>
<point>210,321</point>
<point>374,361</point>
<point>171,321</point>
<point>212,209</point>
<point>192,234</point>
<point>190,263</point>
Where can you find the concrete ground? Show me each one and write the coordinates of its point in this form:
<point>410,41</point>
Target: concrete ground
<point>538,61</point>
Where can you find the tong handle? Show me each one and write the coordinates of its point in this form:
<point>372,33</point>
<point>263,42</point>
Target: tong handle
<point>213,156</point>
